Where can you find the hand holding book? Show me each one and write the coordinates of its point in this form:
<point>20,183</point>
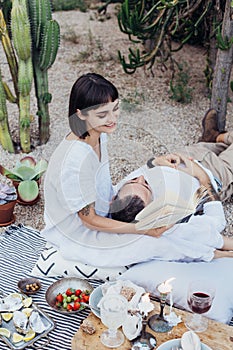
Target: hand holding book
<point>169,210</point>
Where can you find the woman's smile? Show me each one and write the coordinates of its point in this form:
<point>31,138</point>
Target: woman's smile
<point>110,125</point>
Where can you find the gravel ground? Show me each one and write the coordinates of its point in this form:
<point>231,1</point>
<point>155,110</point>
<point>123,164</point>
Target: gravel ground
<point>150,121</point>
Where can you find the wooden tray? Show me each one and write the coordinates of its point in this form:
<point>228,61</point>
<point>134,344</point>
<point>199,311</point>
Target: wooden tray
<point>217,336</point>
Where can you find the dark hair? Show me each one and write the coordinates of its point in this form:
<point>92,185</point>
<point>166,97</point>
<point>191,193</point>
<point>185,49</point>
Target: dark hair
<point>127,208</point>
<point>90,90</point>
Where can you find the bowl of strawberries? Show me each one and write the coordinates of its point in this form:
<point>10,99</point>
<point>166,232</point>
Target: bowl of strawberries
<point>69,295</point>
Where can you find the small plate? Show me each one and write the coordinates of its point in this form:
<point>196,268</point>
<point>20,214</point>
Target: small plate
<point>61,286</point>
<point>94,300</point>
<point>176,342</point>
<point>27,281</point>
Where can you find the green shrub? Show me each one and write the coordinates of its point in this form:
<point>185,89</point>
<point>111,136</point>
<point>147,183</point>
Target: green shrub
<point>180,91</point>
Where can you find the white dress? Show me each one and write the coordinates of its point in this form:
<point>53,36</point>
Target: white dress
<point>75,177</point>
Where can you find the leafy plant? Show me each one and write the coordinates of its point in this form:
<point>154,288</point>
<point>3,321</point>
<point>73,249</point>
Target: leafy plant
<point>7,193</point>
<point>160,25</point>
<point>27,172</point>
<point>179,88</point>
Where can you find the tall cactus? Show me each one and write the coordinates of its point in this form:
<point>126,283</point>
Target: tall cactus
<point>35,37</point>
<point>45,34</point>
<point>10,56</point>
<point>5,137</point>
<point>20,27</point>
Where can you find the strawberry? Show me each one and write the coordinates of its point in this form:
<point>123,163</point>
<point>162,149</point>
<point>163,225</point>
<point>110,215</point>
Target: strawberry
<point>59,298</point>
<point>69,292</point>
<point>69,307</point>
<point>76,306</point>
<point>85,298</point>
<point>78,292</point>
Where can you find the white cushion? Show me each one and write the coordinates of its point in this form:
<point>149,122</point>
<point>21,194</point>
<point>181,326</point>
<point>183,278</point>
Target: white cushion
<point>52,263</point>
<point>217,272</point>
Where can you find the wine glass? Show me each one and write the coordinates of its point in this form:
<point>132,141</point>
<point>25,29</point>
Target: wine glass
<point>113,312</point>
<point>200,297</point>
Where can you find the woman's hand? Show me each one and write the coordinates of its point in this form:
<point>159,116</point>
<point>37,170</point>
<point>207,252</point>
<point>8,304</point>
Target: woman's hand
<point>171,160</point>
<point>155,232</point>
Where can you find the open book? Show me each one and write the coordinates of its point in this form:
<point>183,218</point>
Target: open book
<point>169,210</point>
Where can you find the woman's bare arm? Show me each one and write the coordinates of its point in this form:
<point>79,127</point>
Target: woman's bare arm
<point>96,222</point>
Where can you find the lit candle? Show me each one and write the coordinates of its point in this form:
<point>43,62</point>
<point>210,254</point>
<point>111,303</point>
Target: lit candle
<point>166,287</point>
<point>145,305</point>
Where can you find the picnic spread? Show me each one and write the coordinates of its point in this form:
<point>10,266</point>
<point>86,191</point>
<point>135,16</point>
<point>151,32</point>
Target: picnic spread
<point>20,247</point>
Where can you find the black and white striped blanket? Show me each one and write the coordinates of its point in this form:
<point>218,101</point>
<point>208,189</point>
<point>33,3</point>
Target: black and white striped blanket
<point>20,247</point>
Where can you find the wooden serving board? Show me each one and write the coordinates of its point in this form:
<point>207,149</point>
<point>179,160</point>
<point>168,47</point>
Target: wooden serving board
<point>217,336</point>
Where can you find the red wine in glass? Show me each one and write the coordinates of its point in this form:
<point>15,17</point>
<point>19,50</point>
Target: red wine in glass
<point>200,302</point>
<point>199,298</point>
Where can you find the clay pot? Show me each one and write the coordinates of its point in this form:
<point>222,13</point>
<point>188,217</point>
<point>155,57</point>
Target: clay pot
<point>22,202</point>
<point>6,213</point>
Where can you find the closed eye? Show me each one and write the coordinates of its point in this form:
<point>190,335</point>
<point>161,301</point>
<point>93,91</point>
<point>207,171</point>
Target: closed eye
<point>101,116</point>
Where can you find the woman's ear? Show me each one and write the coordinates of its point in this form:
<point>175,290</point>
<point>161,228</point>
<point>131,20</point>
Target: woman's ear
<point>80,115</point>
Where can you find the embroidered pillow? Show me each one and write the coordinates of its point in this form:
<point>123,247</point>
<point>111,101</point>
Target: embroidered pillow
<point>51,263</point>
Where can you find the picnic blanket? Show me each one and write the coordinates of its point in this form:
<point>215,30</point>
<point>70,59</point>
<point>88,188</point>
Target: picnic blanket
<point>20,247</point>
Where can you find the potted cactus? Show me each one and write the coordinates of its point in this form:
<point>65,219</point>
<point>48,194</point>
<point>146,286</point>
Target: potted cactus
<point>26,176</point>
<point>8,198</point>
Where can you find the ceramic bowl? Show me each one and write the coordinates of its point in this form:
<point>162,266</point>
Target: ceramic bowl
<point>24,282</point>
<point>94,300</point>
<point>176,342</point>
<point>61,286</point>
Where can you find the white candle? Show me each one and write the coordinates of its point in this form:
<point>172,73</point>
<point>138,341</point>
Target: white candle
<point>171,302</point>
<point>145,305</point>
<point>166,287</point>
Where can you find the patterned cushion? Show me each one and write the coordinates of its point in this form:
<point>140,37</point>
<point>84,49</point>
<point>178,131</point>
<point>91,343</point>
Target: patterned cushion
<point>52,263</point>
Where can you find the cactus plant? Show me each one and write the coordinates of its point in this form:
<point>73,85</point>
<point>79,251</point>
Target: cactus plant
<point>9,51</point>
<point>20,27</point>
<point>35,37</point>
<point>5,137</point>
<point>45,33</point>
<point>25,175</point>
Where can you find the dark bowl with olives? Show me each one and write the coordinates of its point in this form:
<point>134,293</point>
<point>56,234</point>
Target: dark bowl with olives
<point>29,285</point>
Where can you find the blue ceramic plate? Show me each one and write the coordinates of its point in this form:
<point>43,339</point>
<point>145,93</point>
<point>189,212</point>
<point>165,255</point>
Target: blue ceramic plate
<point>176,342</point>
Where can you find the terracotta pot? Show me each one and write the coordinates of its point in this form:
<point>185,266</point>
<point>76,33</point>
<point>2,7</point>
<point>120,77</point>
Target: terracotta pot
<point>22,202</point>
<point>6,213</point>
